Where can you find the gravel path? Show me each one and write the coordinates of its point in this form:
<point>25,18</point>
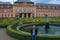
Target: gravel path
<point>4,36</point>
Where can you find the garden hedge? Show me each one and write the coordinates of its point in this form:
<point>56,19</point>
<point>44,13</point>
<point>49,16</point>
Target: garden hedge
<point>16,34</point>
<point>12,22</point>
<point>4,22</point>
<point>27,36</point>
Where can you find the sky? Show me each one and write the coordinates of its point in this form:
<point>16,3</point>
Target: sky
<point>38,1</point>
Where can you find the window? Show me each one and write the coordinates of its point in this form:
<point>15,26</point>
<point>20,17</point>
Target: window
<point>46,6</point>
<point>4,10</point>
<point>51,6</point>
<point>9,10</point>
<point>9,15</point>
<point>24,10</point>
<point>32,15</point>
<point>29,10</point>
<point>16,10</point>
<point>41,6</point>
<point>5,14</point>
<point>0,10</point>
<point>2,14</point>
<point>20,10</point>
<point>32,10</point>
<point>8,6</point>
<point>38,14</point>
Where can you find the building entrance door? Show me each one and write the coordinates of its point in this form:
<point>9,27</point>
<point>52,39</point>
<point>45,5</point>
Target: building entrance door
<point>20,14</point>
<point>24,14</point>
<point>29,14</point>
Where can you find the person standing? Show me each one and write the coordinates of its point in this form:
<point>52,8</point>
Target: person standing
<point>34,32</point>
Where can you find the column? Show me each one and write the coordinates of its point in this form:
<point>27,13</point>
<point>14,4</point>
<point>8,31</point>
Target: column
<point>13,14</point>
<point>34,14</point>
<point>27,15</point>
<point>31,15</point>
<point>22,15</point>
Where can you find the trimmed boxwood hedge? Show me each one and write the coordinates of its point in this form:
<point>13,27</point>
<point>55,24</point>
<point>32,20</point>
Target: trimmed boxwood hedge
<point>4,22</point>
<point>19,35</point>
<point>27,36</point>
<point>10,22</point>
<point>38,20</point>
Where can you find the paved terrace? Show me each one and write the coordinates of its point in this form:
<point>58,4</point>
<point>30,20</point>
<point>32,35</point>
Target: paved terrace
<point>4,36</point>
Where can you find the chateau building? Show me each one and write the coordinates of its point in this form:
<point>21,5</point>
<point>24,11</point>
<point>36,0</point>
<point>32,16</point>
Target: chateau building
<point>27,8</point>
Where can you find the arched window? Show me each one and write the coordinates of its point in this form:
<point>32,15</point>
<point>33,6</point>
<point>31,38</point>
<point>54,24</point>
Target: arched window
<point>29,10</point>
<point>5,10</point>
<point>9,10</point>
<point>2,14</point>
<point>24,10</point>
<point>33,10</point>
<point>20,10</point>
<point>16,10</point>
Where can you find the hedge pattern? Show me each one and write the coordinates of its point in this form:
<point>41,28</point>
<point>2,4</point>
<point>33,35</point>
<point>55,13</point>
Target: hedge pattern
<point>12,22</point>
<point>4,22</point>
<point>27,36</point>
